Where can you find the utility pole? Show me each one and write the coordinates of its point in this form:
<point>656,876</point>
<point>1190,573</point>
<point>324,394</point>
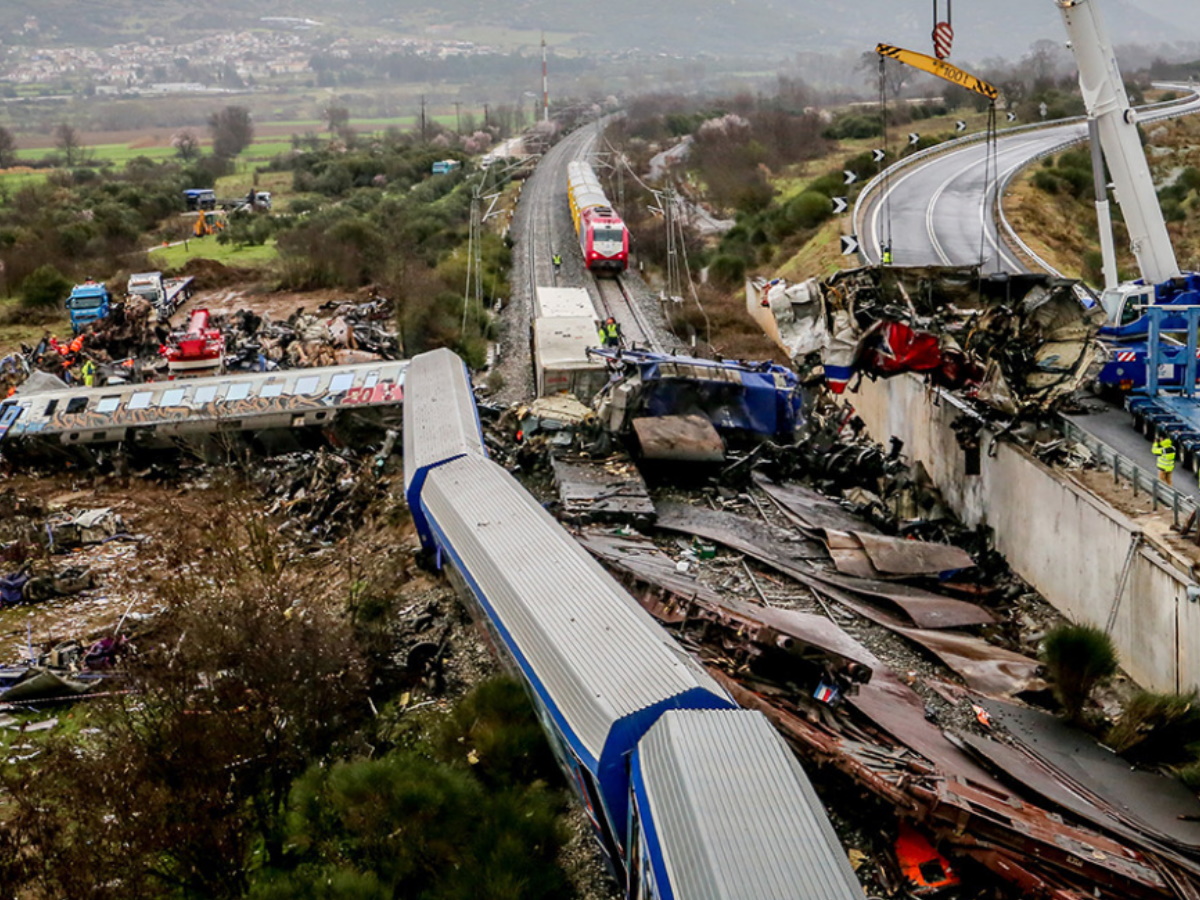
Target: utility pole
<point>424,134</point>
<point>545,84</point>
<point>457,117</point>
<point>485,116</point>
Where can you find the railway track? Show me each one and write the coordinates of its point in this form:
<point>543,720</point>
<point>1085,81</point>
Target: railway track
<point>617,301</point>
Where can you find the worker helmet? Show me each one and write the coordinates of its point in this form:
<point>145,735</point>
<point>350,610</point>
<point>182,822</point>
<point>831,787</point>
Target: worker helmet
<point>1166,442</point>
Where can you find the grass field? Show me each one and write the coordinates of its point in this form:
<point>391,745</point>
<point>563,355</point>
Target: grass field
<point>171,258</point>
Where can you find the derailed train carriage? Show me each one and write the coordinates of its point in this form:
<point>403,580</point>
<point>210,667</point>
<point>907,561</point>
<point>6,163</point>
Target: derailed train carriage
<point>690,797</point>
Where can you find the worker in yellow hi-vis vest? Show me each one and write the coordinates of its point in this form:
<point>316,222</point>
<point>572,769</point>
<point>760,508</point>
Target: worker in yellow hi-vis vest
<point>1164,449</point>
<point>88,371</point>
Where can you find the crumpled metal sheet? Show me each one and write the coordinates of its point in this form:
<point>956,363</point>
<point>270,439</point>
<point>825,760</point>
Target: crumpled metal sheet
<point>803,634</point>
<point>879,556</point>
<point>809,509</point>
<point>1153,804</point>
<point>770,546</point>
<point>924,608</point>
<point>984,667</point>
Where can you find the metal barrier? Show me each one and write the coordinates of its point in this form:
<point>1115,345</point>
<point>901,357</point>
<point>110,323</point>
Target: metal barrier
<point>1125,469</point>
<point>865,199</point>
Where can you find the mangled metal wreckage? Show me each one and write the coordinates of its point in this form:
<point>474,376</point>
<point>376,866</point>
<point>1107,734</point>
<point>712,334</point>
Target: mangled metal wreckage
<point>1018,343</point>
<point>739,399</point>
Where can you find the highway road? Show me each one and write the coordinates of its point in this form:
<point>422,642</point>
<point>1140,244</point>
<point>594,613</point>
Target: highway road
<point>942,209</point>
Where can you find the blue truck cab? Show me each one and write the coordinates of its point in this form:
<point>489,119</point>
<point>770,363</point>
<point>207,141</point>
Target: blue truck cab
<point>89,302</point>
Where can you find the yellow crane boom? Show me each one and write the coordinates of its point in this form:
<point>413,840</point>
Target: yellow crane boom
<point>939,68</point>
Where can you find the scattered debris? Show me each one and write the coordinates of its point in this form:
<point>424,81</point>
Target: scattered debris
<point>1019,344</point>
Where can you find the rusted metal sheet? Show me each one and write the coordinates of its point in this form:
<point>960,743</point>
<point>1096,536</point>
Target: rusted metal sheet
<point>750,630</point>
<point>1036,781</point>
<point>1020,843</point>
<point>679,438</point>
<point>866,555</point>
<point>1154,805</point>
<point>984,667</point>
<point>770,546</point>
<point>809,509</point>
<point>897,556</point>
<point>601,490</point>
<point>925,609</point>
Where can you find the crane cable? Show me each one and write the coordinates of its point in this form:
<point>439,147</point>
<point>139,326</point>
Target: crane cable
<point>991,181</point>
<point>884,168</point>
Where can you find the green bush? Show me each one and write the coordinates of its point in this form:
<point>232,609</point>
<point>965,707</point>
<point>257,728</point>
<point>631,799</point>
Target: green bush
<point>854,126</point>
<point>1046,181</point>
<point>727,271</point>
<point>809,209</point>
<point>45,287</point>
<point>1077,658</point>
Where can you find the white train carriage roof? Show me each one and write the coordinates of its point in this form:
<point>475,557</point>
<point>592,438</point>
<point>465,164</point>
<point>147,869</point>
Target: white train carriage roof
<point>591,651</point>
<point>564,302</point>
<point>440,419</point>
<point>733,813</point>
<point>584,187</point>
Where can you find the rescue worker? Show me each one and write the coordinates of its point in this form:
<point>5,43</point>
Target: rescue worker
<point>89,373</point>
<point>887,254</point>
<point>1164,449</point>
<point>610,333</point>
<point>557,260</point>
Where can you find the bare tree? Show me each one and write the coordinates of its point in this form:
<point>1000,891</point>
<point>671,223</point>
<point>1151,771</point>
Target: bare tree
<point>67,141</point>
<point>186,144</point>
<point>232,131</point>
<point>8,148</point>
<point>337,118</point>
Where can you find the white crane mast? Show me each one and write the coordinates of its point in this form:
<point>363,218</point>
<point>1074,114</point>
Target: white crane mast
<point>1108,105</point>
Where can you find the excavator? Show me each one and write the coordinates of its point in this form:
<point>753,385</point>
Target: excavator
<point>208,221</point>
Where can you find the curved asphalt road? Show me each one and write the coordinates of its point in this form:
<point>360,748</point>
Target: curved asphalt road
<point>943,213</point>
<point>942,210</point>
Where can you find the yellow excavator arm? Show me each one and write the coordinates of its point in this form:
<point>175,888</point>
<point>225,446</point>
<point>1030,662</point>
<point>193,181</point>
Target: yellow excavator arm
<point>940,69</point>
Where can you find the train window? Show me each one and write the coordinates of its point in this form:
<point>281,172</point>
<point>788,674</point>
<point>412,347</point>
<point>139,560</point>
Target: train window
<point>205,394</point>
<point>307,385</point>
<point>108,404</point>
<point>237,391</point>
<point>172,397</point>
<point>51,407</point>
<point>371,380</point>
<point>140,400</point>
<point>76,405</point>
<point>271,389</point>
<point>341,382</point>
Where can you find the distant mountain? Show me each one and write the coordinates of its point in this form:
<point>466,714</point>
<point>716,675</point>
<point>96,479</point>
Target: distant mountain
<point>772,29</point>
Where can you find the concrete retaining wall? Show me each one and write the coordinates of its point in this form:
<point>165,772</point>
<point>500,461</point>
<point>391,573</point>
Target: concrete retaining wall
<point>1068,543</point>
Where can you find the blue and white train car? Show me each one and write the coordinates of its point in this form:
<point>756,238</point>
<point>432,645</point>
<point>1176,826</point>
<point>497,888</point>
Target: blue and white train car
<point>600,669</point>
<point>691,799</point>
<point>722,810</point>
<point>441,423</point>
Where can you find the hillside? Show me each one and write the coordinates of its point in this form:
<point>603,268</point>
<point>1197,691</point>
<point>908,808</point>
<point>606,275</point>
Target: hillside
<point>778,28</point>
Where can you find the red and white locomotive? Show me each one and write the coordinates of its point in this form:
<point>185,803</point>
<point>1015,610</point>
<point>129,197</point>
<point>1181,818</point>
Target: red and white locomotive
<point>603,238</point>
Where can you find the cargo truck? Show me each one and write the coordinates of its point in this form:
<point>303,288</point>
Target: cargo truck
<point>165,294</point>
<point>89,302</point>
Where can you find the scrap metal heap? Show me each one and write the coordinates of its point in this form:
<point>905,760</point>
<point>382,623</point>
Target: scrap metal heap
<point>824,583</point>
<point>132,345</point>
<point>1020,345</point>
